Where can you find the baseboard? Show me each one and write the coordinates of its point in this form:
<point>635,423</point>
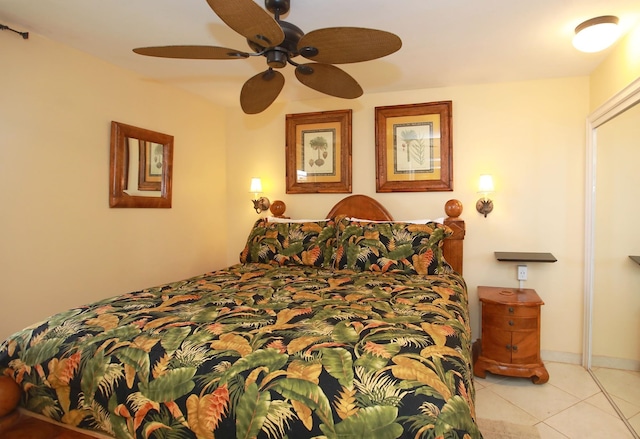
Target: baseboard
<point>561,357</point>
<point>615,363</point>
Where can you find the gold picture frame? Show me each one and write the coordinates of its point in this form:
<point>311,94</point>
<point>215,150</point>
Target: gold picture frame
<point>414,147</point>
<point>318,152</point>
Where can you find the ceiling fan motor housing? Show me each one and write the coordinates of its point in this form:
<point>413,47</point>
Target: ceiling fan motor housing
<point>277,56</point>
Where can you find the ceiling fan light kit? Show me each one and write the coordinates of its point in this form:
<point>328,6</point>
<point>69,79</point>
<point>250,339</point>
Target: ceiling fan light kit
<point>279,42</point>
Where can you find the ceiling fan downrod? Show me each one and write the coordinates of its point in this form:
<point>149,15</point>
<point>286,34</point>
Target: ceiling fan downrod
<point>279,56</point>
<point>277,7</point>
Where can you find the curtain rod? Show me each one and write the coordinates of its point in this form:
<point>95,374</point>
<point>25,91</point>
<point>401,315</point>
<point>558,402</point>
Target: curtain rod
<point>24,35</point>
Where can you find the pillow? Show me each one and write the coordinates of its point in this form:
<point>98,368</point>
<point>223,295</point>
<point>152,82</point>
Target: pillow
<point>391,247</point>
<point>275,219</point>
<point>423,221</point>
<point>416,221</point>
<point>291,243</point>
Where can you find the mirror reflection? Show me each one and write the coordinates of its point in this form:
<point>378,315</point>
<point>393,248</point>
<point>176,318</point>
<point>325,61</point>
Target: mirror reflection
<point>615,351</point>
<point>144,173</point>
<point>141,167</point>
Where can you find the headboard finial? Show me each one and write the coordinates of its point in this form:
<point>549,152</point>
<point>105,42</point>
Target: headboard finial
<point>453,208</point>
<point>277,208</point>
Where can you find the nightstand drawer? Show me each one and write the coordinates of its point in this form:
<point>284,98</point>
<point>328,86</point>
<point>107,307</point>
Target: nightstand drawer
<point>509,323</point>
<point>511,310</point>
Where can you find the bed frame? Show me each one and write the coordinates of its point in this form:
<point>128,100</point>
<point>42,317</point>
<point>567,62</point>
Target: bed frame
<point>16,424</point>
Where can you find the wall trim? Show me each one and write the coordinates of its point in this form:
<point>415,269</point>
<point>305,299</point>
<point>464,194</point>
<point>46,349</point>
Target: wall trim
<point>561,357</point>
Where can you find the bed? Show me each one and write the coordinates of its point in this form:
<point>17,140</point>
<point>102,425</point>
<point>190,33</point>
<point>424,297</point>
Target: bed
<point>351,326</point>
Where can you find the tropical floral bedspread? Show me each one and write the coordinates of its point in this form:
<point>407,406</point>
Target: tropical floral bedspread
<point>258,351</point>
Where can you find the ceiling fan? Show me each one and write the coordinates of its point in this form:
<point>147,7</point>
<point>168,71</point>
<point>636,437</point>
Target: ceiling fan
<point>279,42</point>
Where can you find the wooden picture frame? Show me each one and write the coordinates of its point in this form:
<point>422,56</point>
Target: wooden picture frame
<point>318,152</point>
<point>414,147</point>
<point>128,151</point>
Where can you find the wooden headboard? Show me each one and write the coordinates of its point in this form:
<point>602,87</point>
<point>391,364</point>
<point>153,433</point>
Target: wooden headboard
<point>362,206</point>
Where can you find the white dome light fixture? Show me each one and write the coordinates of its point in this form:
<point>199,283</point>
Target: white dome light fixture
<point>596,34</point>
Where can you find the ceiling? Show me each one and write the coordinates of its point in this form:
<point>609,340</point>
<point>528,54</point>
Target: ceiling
<point>445,42</point>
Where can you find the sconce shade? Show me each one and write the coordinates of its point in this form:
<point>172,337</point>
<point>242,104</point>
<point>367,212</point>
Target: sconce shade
<point>485,185</point>
<point>260,204</point>
<point>596,34</point>
<point>256,185</point>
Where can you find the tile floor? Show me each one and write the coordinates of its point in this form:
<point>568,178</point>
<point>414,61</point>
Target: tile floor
<point>622,386</point>
<point>570,405</point>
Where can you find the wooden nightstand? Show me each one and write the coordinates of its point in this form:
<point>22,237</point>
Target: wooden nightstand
<point>510,343</point>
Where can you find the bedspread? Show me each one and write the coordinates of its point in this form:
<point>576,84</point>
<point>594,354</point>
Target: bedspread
<point>258,351</point>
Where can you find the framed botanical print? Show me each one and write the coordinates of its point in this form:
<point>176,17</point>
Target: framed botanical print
<point>414,147</point>
<point>150,164</point>
<point>318,152</point>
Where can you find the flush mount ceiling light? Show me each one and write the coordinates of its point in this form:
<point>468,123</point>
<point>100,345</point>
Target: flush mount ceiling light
<point>596,34</point>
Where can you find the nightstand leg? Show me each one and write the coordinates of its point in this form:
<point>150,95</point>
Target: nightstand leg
<point>541,376</point>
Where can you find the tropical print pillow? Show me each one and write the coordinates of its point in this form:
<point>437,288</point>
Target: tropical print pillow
<point>294,243</point>
<point>391,247</point>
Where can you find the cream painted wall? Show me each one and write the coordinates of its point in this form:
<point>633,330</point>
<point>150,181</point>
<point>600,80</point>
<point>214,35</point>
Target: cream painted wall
<point>529,135</point>
<point>60,243</point>
<point>620,69</point>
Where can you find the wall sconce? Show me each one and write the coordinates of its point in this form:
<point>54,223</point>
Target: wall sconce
<point>596,34</point>
<point>260,204</point>
<point>485,187</point>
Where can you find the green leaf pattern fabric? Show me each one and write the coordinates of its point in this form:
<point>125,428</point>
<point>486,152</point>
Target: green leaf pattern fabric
<point>258,351</point>
<point>391,247</point>
<point>297,243</point>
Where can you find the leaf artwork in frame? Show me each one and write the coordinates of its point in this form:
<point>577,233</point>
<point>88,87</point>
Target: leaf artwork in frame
<point>318,152</point>
<point>414,148</point>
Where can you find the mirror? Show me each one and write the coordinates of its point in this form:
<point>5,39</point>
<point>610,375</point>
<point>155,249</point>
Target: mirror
<point>612,318</point>
<point>141,166</point>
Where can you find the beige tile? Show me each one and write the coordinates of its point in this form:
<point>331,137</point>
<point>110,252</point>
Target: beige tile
<point>547,432</point>
<point>628,410</point>
<point>491,378</point>
<point>571,403</point>
<point>620,383</point>
<point>572,378</point>
<point>479,383</point>
<point>586,421</point>
<point>539,400</point>
<point>600,401</point>
<point>491,406</point>
<point>635,423</point>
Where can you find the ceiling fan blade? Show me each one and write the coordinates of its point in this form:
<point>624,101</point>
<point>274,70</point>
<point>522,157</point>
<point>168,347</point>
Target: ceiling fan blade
<point>249,20</point>
<point>191,52</point>
<point>342,45</point>
<point>260,91</point>
<point>328,79</point>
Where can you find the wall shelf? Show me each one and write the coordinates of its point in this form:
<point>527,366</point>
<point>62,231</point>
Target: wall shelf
<point>635,259</point>
<point>525,257</point>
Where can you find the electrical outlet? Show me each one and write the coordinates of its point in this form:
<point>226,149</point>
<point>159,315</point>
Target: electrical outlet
<point>522,272</point>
